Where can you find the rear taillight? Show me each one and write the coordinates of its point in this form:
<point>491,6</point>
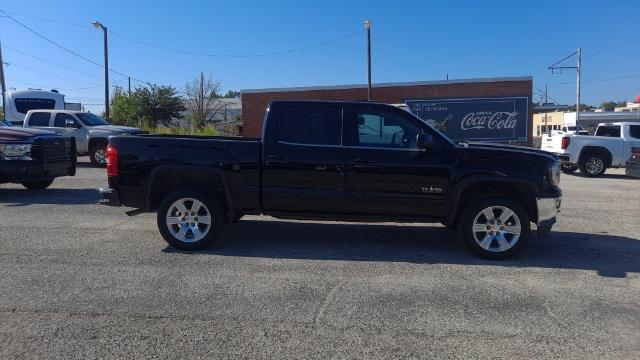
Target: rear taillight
<point>112,160</point>
<point>565,142</point>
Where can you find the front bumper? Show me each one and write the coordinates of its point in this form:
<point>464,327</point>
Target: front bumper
<point>34,170</point>
<point>548,210</point>
<point>565,158</point>
<point>633,169</point>
<point>109,196</point>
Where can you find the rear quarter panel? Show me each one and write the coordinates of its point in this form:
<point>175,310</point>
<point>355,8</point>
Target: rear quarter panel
<point>237,160</point>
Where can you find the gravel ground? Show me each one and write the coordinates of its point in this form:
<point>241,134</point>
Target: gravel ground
<point>82,281</point>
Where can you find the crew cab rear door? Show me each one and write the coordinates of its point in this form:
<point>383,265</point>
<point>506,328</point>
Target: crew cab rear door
<point>303,161</point>
<point>391,176</point>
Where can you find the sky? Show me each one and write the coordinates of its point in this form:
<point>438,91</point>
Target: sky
<point>261,44</point>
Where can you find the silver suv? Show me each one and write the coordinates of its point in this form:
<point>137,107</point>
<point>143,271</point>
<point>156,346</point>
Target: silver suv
<point>91,131</point>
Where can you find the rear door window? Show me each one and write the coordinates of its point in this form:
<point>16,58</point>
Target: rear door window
<point>609,131</point>
<point>634,131</point>
<point>312,124</point>
<point>40,119</point>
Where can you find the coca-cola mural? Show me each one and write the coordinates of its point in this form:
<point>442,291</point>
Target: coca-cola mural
<point>504,119</point>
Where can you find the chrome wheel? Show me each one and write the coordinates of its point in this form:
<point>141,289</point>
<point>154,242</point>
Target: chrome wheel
<point>594,165</point>
<point>100,156</point>
<point>496,228</point>
<point>188,220</point>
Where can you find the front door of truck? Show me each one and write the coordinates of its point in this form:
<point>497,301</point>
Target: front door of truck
<point>391,176</point>
<point>304,165</point>
<point>68,126</point>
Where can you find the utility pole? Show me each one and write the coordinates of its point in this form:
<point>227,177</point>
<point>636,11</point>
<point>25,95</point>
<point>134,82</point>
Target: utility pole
<point>97,24</point>
<point>367,25</point>
<point>578,67</point>
<point>2,83</point>
<point>546,101</point>
<point>129,77</point>
<point>202,96</point>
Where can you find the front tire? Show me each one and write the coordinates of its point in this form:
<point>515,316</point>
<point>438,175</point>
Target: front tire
<point>38,184</point>
<point>494,227</point>
<point>98,154</point>
<point>189,220</point>
<point>593,165</point>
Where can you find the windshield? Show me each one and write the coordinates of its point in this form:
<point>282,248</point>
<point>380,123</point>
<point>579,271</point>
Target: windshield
<point>90,119</point>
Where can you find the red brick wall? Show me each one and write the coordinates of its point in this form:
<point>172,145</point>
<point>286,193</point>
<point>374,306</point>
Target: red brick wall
<point>254,104</point>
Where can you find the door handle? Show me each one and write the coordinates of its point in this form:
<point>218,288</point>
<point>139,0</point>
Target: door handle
<point>275,157</point>
<point>364,161</point>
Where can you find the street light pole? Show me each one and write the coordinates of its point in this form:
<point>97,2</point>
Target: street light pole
<point>2,83</point>
<point>367,25</point>
<point>97,24</point>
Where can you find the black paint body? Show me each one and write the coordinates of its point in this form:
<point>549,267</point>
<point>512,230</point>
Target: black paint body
<point>339,182</point>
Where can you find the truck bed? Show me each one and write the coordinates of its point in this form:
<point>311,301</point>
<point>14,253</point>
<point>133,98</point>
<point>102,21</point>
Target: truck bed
<point>142,158</point>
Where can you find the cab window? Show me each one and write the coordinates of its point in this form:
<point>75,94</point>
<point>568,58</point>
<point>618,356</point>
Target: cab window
<point>313,124</point>
<point>61,119</point>
<point>608,131</point>
<point>371,126</point>
<point>39,119</point>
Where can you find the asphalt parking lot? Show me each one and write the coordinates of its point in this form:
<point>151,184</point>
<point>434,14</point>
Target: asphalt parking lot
<point>84,281</point>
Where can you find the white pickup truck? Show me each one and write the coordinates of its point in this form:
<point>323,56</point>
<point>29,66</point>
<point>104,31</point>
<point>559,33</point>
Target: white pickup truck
<point>610,147</point>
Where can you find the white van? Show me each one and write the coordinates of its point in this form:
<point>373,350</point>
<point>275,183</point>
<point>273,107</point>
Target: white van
<point>18,103</point>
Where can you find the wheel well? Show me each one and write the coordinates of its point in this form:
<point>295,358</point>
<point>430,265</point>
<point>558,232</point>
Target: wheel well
<point>520,192</point>
<point>167,181</point>
<point>96,141</point>
<point>596,150</point>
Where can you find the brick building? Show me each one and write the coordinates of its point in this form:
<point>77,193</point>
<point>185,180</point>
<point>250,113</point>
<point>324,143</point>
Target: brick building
<point>255,101</point>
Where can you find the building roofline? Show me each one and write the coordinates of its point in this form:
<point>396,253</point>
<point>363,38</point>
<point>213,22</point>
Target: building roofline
<point>394,84</point>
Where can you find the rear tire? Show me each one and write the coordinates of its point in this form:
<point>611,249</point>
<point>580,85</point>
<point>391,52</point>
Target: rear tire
<point>592,165</point>
<point>98,154</point>
<point>189,219</point>
<point>494,227</point>
<point>38,184</point>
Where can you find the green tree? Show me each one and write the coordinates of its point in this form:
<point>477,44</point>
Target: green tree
<point>157,104</point>
<point>232,94</point>
<point>123,108</point>
<point>583,107</point>
<point>610,105</point>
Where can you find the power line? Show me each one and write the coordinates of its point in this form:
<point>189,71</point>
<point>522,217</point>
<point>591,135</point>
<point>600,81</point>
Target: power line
<point>197,53</point>
<point>273,53</point>
<point>51,62</point>
<point>613,48</point>
<point>602,80</point>
<point>62,47</point>
<point>48,74</point>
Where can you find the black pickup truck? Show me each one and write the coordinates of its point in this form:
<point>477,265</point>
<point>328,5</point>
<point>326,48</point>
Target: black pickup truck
<point>353,161</point>
<point>34,157</point>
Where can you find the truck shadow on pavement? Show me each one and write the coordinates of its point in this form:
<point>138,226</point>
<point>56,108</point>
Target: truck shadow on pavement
<point>610,256</point>
<point>24,197</point>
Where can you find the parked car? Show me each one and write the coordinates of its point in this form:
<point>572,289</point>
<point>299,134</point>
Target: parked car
<point>610,147</point>
<point>633,163</point>
<point>349,161</point>
<point>34,157</point>
<point>90,131</point>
